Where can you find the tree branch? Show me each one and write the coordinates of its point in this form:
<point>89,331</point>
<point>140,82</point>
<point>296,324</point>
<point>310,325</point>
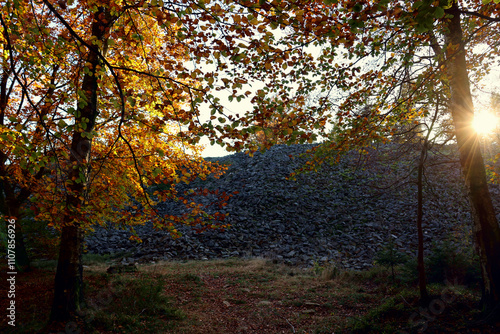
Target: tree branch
<point>476,14</point>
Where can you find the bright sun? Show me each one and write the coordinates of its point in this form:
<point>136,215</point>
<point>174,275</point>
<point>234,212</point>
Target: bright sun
<point>485,122</point>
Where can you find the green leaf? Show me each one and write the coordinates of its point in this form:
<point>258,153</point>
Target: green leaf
<point>357,7</point>
<point>417,4</point>
<point>239,57</point>
<point>439,12</point>
<point>62,124</point>
<point>131,101</point>
<point>138,37</point>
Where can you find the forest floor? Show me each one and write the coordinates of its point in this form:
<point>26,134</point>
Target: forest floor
<point>243,296</point>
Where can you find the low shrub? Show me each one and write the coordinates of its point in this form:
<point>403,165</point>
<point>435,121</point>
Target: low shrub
<point>390,257</point>
<point>447,262</point>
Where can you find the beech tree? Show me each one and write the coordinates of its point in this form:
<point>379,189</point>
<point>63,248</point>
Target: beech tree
<point>20,169</point>
<point>486,228</point>
<point>88,162</point>
<point>367,48</point>
<point>107,102</point>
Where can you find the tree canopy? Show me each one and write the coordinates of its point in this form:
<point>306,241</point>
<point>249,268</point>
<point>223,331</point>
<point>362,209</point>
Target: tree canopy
<point>100,101</point>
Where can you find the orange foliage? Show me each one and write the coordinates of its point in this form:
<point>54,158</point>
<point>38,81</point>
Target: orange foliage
<point>137,139</point>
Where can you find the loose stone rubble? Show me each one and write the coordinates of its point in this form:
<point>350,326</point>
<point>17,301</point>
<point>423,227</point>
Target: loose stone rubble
<point>345,213</point>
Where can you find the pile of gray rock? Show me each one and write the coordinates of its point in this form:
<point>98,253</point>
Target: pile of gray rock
<point>345,212</point>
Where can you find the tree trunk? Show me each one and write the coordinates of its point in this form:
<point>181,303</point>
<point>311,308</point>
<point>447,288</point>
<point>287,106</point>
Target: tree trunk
<point>422,282</point>
<point>22,258</point>
<point>485,225</point>
<point>9,205</point>
<point>11,208</point>
<point>68,292</point>
<point>68,289</point>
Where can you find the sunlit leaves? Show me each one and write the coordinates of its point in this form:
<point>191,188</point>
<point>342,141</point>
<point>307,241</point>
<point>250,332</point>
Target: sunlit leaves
<point>134,146</point>
<point>167,70</point>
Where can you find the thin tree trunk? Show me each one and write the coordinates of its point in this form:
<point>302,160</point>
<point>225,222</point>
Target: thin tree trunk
<point>485,224</point>
<point>422,282</point>
<point>22,257</point>
<point>11,208</point>
<point>68,289</point>
<point>11,199</point>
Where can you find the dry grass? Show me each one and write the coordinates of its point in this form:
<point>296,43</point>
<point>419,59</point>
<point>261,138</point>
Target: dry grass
<point>244,296</point>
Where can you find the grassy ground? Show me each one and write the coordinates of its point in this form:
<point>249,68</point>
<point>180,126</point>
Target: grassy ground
<point>243,296</point>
